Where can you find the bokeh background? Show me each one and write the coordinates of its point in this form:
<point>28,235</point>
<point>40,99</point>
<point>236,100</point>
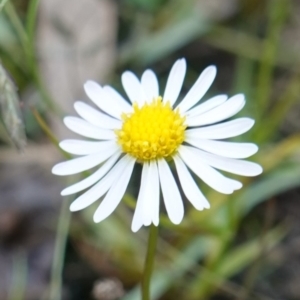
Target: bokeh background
<point>247,246</point>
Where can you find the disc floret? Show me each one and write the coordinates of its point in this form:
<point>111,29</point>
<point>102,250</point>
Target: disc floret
<point>152,131</point>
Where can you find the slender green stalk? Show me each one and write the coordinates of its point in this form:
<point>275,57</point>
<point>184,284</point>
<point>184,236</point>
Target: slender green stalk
<point>44,126</point>
<point>47,130</point>
<point>17,24</point>
<point>26,37</point>
<point>31,53</point>
<point>149,262</point>
<point>31,19</point>
<point>30,29</point>
<point>279,111</point>
<point>277,16</point>
<point>19,277</point>
<point>2,4</point>
<point>59,252</point>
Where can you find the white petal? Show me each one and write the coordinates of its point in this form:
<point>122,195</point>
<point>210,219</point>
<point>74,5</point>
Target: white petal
<point>154,177</point>
<point>137,221</point>
<point>199,89</point>
<point>138,218</point>
<point>83,163</point>
<point>171,195</point>
<point>227,149</point>
<point>224,111</point>
<point>150,85</point>
<point>95,117</point>
<point>121,102</point>
<point>86,129</point>
<point>92,179</point>
<point>95,92</point>
<point>133,88</point>
<point>145,195</point>
<point>206,106</point>
<point>209,175</point>
<point>116,192</point>
<point>239,167</point>
<point>189,187</point>
<point>100,188</point>
<point>79,147</point>
<point>175,81</point>
<point>221,131</point>
<point>151,200</point>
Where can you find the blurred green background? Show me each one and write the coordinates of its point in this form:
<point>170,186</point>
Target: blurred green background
<point>247,246</point>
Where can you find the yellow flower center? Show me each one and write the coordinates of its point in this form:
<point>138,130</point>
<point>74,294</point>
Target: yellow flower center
<point>151,131</point>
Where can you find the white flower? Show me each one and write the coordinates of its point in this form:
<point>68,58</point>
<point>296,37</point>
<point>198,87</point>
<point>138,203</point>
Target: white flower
<point>154,130</point>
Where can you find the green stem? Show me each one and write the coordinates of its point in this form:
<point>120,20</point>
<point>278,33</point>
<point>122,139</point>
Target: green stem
<point>27,42</point>
<point>32,56</point>
<point>59,251</point>
<point>277,16</point>
<point>31,20</point>
<point>30,29</point>
<point>19,277</point>
<point>17,24</point>
<point>2,4</point>
<point>149,262</point>
<point>49,133</point>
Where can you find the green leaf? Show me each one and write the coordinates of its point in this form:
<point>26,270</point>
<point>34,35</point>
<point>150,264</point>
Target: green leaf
<point>2,4</point>
<point>240,257</point>
<point>155,46</point>
<point>10,110</point>
<point>284,179</point>
<point>233,263</point>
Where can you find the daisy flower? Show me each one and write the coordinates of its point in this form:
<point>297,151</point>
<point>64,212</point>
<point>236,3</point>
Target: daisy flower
<point>154,129</point>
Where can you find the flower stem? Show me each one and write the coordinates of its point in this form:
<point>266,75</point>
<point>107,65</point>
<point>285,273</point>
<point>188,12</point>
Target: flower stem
<point>149,262</point>
<point>59,252</point>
